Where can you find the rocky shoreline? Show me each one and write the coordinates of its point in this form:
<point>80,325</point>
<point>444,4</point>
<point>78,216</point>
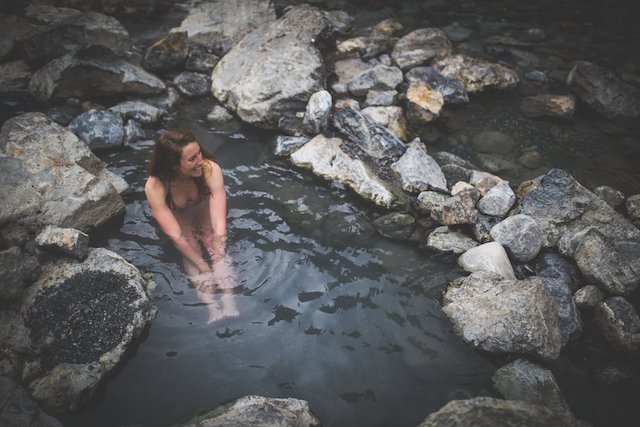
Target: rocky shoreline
<point>549,260</point>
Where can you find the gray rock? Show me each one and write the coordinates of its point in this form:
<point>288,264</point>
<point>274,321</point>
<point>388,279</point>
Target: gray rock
<point>481,229</point>
<point>488,257</point>
<point>619,323</point>
<point>365,47</point>
<point>395,225</point>
<point>391,117</point>
<point>14,76</point>
<point>341,22</point>
<point>588,296</point>
<point>191,84</point>
<point>348,69</point>
<point>381,77</point>
<point>418,170</point>
<point>498,200</point>
<point>76,190</point>
<point>459,209</point>
<point>613,197</point>
<point>165,103</point>
<point>18,409</point>
<point>347,103</point>
<point>13,28</point>
<point>139,111</point>
<point>17,270</point>
<point>381,98</point>
<point>530,159</point>
<point>457,33</point>
<point>93,72</point>
<point>444,239</point>
<point>286,145</point>
<point>67,29</point>
<point>21,198</point>
<point>389,27</point>
<point>568,316</point>
<point>316,117</point>
<point>171,51</point>
<point>100,308</point>
<point>219,115</point>
<point>504,316</point>
<point>487,411</point>
<point>451,89</point>
<point>558,106</point>
<point>454,173</point>
<point>550,264</point>
<point>496,164</point>
<point>493,142</point>
<point>633,207</point>
<point>421,46</point>
<point>200,59</point>
<point>133,132</point>
<point>258,411</point>
<point>64,240</point>
<point>222,24</point>
<point>373,139</point>
<point>484,181</point>
<point>99,129</point>
<point>268,90</point>
<point>520,235</point>
<point>605,92</point>
<point>476,75</point>
<point>428,200</point>
<point>326,159</point>
<point>528,382</point>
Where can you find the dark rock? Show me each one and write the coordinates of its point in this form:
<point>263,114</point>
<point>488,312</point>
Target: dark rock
<point>18,409</point>
<point>169,52</point>
<point>192,84</point>
<point>451,89</point>
<point>17,270</point>
<point>613,197</point>
<point>419,47</point>
<point>99,129</point>
<point>619,323</point>
<point>568,316</point>
<point>520,235</point>
<point>395,225</point>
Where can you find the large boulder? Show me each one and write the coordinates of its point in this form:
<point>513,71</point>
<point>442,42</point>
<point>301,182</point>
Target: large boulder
<point>488,412</point>
<point>605,92</point>
<point>258,411</point>
<point>504,316</point>
<point>477,74</point>
<point>325,157</point>
<point>92,73</point>
<point>221,24</point>
<point>73,187</point>
<point>268,90</point>
<point>81,318</point>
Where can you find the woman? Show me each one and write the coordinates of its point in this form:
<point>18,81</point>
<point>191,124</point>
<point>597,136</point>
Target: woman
<point>185,190</point>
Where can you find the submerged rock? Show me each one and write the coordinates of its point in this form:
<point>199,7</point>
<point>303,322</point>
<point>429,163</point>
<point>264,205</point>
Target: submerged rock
<point>548,106</point>
<point>258,411</point>
<point>504,316</point>
<point>81,318</point>
<point>395,225</point>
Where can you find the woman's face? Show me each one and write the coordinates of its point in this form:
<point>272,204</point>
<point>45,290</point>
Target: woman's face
<point>191,160</point>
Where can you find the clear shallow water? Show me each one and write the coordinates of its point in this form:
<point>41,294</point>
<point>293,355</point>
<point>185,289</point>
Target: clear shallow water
<point>346,321</point>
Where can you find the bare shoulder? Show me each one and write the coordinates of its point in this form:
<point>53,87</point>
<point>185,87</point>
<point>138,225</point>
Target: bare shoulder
<point>154,186</point>
<point>213,171</point>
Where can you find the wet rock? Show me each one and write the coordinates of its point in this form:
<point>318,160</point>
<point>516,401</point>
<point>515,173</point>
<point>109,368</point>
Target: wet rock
<point>605,92</point>
<point>258,411</point>
<point>504,316</point>
<point>568,316</point>
<point>64,30</point>
<point>613,197</point>
<point>619,323</point>
<point>191,84</point>
<point>488,257</point>
<point>550,264</point>
<point>286,145</point>
<point>345,229</point>
<point>489,411</point>
<point>493,142</point>
<point>520,235</point>
<point>326,159</point>
<point>201,59</point>
<point>316,117</point>
<point>18,409</point>
<point>588,296</point>
<point>531,159</point>
<point>612,374</point>
<point>444,239</point>
<point>89,313</point>
<point>525,381</point>
<point>74,187</point>
<point>365,47</point>
<point>424,104</point>
<point>380,98</point>
<point>418,170</point>
<point>381,77</point>
<point>633,207</point>
<point>457,33</point>
<point>391,117</point>
<point>67,241</point>
<point>17,270</point>
<point>375,140</point>
<point>484,181</point>
<point>171,51</point>
<point>498,200</point>
<point>340,21</point>
<point>419,47</point>
<point>14,76</point>
<point>91,73</point>
<point>99,129</point>
<point>496,164</point>
<point>346,70</point>
<point>132,133</point>
<point>165,103</point>
<point>222,24</point>
<point>477,75</point>
<point>481,229</point>
<point>455,173</point>
<point>428,200</point>
<point>451,89</point>
<point>459,209</point>
<point>219,115</point>
<point>13,28</point>
<point>267,90</point>
<point>395,225</point>
<point>138,111</point>
<point>548,106</point>
<point>612,265</point>
<point>21,198</point>
<point>388,27</point>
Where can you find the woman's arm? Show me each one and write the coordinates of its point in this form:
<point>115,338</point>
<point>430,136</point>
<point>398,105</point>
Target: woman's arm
<point>156,195</point>
<point>217,208</point>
